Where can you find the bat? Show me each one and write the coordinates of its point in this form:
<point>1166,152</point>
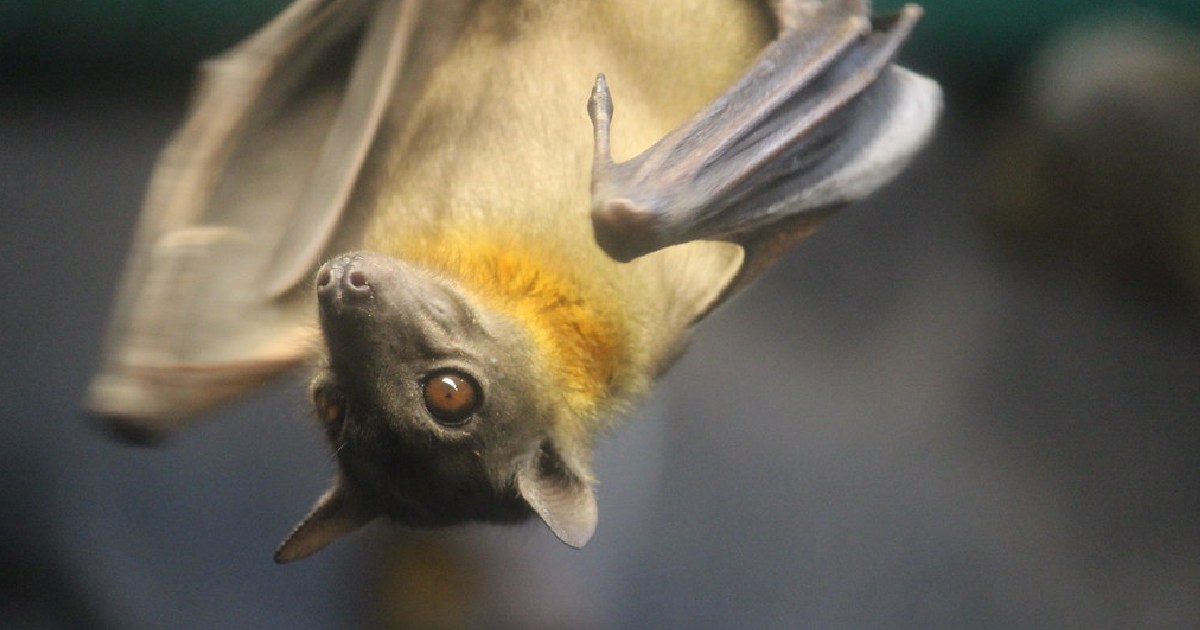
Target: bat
<point>492,290</point>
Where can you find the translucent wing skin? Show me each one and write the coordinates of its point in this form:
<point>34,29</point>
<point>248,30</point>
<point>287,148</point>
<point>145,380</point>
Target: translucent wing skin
<point>821,119</point>
<point>245,201</point>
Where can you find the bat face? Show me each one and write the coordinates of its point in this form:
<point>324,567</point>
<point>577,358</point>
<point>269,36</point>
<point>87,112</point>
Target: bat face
<point>428,402</point>
<point>424,402</point>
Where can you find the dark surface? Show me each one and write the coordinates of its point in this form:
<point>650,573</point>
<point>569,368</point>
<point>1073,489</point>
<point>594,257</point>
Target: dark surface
<point>903,426</point>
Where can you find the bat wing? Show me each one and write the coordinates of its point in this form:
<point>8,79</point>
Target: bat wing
<point>822,118</point>
<point>245,200</point>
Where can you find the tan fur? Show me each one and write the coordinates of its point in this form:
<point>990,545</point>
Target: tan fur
<point>500,145</point>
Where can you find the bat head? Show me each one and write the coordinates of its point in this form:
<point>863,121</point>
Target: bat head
<point>430,402</point>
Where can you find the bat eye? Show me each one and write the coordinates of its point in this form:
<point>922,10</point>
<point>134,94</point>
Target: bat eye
<point>451,397</point>
<point>330,405</point>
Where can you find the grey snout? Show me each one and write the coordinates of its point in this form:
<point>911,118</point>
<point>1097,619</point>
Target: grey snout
<point>345,278</point>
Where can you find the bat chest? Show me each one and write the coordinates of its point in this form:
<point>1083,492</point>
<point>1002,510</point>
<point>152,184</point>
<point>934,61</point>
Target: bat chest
<point>487,179</point>
<point>575,312</point>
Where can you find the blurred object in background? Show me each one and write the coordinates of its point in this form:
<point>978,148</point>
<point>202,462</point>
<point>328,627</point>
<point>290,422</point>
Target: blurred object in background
<point>105,37</point>
<point>426,580</point>
<point>978,45</point>
<point>1101,163</point>
<point>963,42</point>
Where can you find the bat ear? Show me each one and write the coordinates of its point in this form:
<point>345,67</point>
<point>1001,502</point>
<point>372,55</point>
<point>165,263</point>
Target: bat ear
<point>557,489</point>
<point>336,513</point>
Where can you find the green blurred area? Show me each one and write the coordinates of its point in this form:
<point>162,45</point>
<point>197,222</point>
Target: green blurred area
<point>959,41</point>
<point>972,41</point>
<point>86,36</point>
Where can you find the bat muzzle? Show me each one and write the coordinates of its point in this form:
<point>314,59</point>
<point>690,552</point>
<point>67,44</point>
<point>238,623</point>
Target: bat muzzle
<point>346,280</point>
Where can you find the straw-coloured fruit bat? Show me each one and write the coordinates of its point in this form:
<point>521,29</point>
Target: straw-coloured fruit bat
<point>409,196</point>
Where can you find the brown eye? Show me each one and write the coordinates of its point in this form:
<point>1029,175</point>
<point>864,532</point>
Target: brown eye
<point>451,397</point>
<point>329,404</point>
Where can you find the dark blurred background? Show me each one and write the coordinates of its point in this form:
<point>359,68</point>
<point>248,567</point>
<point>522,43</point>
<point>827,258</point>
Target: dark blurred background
<point>970,402</point>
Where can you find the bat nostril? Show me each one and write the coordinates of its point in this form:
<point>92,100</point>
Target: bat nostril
<point>342,279</point>
<point>358,279</point>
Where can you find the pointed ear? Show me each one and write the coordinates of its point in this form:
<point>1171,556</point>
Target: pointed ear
<point>557,489</point>
<point>336,513</point>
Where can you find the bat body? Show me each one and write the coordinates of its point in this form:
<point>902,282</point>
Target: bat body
<point>496,290</point>
<point>485,188</point>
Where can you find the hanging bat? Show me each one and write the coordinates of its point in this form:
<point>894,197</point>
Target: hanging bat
<point>495,290</point>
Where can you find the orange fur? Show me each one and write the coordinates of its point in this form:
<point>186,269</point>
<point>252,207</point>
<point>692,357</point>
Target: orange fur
<point>577,325</point>
<point>487,181</point>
